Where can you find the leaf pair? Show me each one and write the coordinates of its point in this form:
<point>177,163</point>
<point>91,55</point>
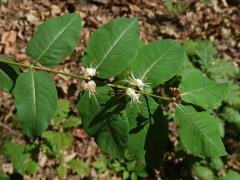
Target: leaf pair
<point>198,131</point>
<point>111,50</point>
<point>35,93</point>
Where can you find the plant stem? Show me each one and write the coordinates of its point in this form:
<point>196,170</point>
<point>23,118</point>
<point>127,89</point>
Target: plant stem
<point>42,69</point>
<point>142,92</point>
<point>79,77</point>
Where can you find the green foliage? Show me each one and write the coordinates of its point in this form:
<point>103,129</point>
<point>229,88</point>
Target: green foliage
<point>8,74</point>
<point>80,167</point>
<point>233,95</point>
<point>216,164</point>
<point>62,120</point>
<point>129,168</point>
<point>111,48</point>
<point>121,106</point>
<point>71,122</point>
<point>175,8</point>
<point>203,172</point>
<point>56,141</point>
<point>3,176</point>
<point>103,118</point>
<point>146,123</point>
<point>231,175</point>
<point>198,132</point>
<point>232,116</point>
<point>158,61</point>
<point>63,109</point>
<point>20,158</point>
<point>55,39</point>
<point>62,171</point>
<point>202,55</point>
<point>35,97</point>
<point>201,91</point>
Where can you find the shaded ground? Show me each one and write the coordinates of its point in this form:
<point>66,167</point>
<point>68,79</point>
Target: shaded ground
<point>217,21</point>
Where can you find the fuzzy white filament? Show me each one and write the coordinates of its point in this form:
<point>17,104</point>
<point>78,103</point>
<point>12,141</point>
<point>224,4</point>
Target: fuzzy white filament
<point>133,95</point>
<point>89,72</point>
<point>90,86</point>
<point>136,82</point>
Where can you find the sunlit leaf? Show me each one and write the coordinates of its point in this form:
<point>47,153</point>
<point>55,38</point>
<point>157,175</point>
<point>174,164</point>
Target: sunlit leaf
<point>35,97</point>
<point>159,61</point>
<point>198,132</point>
<point>55,39</point>
<point>112,48</point>
<point>198,89</point>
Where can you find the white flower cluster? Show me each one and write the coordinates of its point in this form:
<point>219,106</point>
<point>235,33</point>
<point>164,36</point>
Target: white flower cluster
<point>89,72</point>
<point>133,95</point>
<point>89,86</point>
<point>136,82</point>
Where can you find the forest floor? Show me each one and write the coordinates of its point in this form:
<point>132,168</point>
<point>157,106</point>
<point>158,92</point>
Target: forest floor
<point>217,21</point>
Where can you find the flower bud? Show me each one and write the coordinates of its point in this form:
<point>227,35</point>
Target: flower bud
<point>89,72</point>
<point>90,86</point>
<point>133,95</point>
<point>137,83</point>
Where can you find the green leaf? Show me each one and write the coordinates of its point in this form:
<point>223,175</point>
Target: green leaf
<point>6,82</point>
<point>57,140</point>
<point>216,164</point>
<point>35,97</point>
<point>15,153</point>
<point>148,132</point>
<point>220,123</point>
<point>206,52</point>
<point>103,118</point>
<point>55,39</point>
<point>231,116</point>
<point>198,89</point>
<point>198,132</point>
<point>62,171</point>
<point>100,165</point>
<point>231,175</point>
<point>221,70</point>
<point>80,167</point>
<point>8,74</point>
<point>31,167</point>
<point>191,47</point>
<point>3,176</point>
<point>71,122</point>
<point>233,95</point>
<point>159,61</point>
<point>112,48</point>
<point>203,172</point>
<point>63,109</point>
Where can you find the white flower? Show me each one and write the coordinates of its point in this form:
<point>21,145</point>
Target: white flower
<point>136,82</point>
<point>133,95</point>
<point>90,86</point>
<point>89,72</point>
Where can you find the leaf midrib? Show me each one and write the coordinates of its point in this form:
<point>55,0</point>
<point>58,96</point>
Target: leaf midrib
<point>58,35</point>
<point>114,44</point>
<point>155,62</point>
<point>198,128</point>
<point>34,102</point>
<point>199,89</point>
